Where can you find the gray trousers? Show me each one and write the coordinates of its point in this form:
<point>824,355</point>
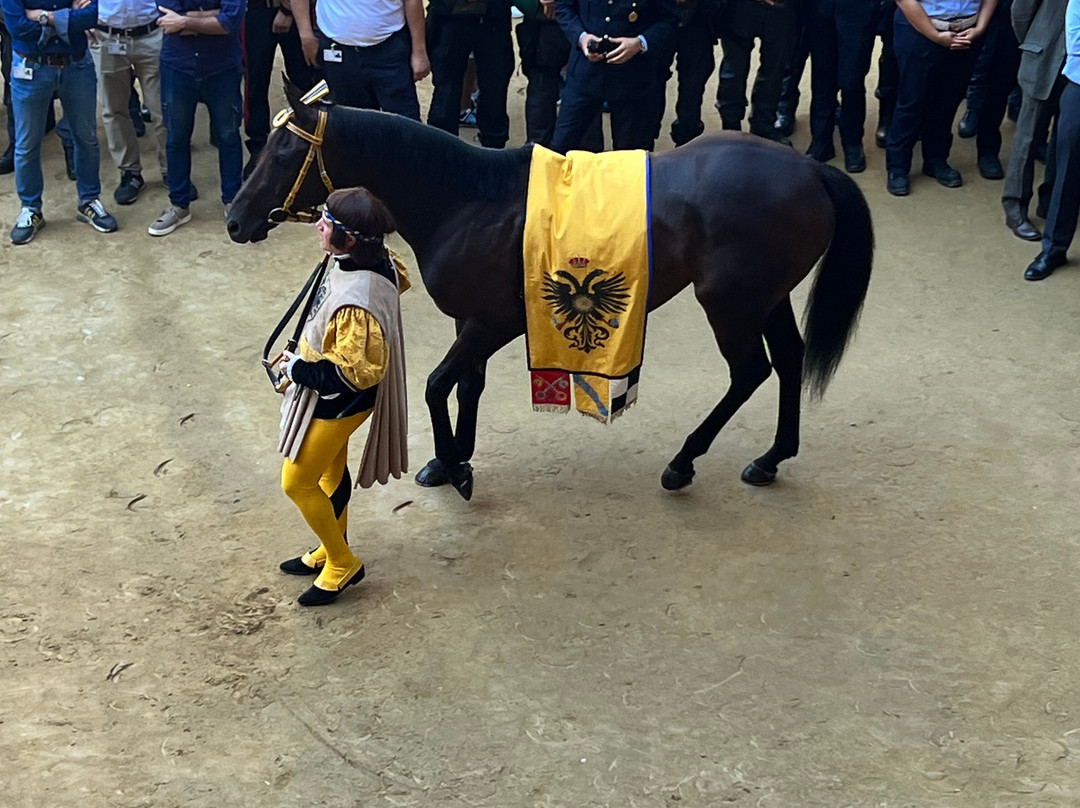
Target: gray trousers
<point>1020,175</point>
<point>114,58</point>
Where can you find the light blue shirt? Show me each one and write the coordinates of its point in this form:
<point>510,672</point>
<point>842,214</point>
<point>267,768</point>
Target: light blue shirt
<point>127,13</point>
<point>1072,42</point>
<point>950,9</point>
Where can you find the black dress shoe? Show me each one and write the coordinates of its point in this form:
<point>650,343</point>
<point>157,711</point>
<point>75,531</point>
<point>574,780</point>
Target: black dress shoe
<point>898,184</point>
<point>314,596</point>
<point>990,167</point>
<point>296,566</point>
<point>969,124</point>
<point>944,173</point>
<point>881,134</point>
<point>854,159</point>
<point>822,152</point>
<point>785,124</point>
<point>1022,227</point>
<point>1043,266</point>
<point>7,160</point>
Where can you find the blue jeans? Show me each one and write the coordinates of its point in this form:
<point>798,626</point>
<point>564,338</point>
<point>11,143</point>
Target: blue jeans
<point>31,99</point>
<point>180,94</point>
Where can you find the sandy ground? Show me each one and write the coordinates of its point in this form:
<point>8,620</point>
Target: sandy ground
<point>892,624</point>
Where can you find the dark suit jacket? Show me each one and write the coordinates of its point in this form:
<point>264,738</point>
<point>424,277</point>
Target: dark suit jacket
<point>655,20</point>
<point>1040,29</point>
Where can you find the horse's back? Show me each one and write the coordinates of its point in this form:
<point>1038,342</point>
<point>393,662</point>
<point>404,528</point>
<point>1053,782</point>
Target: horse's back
<point>734,209</point>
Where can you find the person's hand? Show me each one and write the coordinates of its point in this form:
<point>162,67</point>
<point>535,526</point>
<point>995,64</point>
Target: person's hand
<point>170,22</point>
<point>627,48</point>
<point>310,45</point>
<point>965,39</point>
<point>283,366</point>
<point>78,4</point>
<point>420,65</point>
<point>548,8</point>
<point>282,23</point>
<point>944,38</point>
<point>584,45</point>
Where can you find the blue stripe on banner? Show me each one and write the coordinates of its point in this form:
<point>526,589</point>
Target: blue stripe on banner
<point>584,385</point>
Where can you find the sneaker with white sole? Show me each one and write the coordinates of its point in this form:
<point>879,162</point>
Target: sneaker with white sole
<point>170,219</point>
<point>27,225</point>
<point>95,215</point>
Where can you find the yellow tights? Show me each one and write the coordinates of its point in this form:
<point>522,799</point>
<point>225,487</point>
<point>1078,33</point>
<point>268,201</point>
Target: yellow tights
<point>310,481</point>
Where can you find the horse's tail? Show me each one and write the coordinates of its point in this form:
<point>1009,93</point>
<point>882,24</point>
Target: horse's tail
<point>832,312</point>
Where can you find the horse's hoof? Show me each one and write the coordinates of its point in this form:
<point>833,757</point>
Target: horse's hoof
<point>432,475</point>
<point>673,480</point>
<point>462,480</point>
<point>754,474</point>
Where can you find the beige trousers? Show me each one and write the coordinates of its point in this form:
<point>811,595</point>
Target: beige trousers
<point>114,58</point>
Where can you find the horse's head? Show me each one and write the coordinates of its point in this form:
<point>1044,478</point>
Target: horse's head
<point>271,194</point>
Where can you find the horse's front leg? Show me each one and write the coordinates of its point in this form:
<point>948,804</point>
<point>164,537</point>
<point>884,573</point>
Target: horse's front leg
<point>465,367</point>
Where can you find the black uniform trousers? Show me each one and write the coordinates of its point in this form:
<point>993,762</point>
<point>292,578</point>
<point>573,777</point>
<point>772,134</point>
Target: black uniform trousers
<point>375,77</point>
<point>789,88</point>
<point>993,78</point>
<point>450,40</point>
<point>933,81</point>
<point>888,73</point>
<point>841,45</point>
<point>777,28</point>
<point>1064,210</point>
<point>544,51</point>
<point>260,44</point>
<point>691,51</point>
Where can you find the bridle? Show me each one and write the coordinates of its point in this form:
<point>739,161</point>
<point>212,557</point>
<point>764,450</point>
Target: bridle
<point>315,142</point>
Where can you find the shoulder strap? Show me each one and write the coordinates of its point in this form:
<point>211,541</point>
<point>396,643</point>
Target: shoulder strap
<point>311,287</point>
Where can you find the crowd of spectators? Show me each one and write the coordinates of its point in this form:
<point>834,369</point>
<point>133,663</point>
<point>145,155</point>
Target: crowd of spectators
<point>581,58</point>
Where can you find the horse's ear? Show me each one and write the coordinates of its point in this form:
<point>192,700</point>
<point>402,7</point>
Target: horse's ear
<point>292,92</point>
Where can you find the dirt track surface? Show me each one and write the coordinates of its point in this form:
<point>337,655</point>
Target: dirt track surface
<point>892,624</point>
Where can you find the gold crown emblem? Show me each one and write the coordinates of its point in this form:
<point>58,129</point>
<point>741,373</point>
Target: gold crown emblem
<point>579,261</point>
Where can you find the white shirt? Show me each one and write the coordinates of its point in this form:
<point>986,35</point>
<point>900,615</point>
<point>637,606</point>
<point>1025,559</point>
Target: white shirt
<point>367,23</point>
<point>127,13</point>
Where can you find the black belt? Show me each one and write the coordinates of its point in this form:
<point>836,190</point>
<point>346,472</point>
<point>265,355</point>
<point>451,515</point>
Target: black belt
<point>137,31</point>
<point>51,59</point>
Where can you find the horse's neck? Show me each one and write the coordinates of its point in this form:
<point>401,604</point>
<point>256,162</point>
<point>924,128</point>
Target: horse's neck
<point>421,174</point>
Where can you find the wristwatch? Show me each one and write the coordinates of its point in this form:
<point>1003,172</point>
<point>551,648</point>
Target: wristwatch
<point>43,18</point>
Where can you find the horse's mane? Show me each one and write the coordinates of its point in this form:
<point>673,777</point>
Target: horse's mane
<point>471,171</point>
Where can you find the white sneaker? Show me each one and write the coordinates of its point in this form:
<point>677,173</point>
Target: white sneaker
<point>170,219</point>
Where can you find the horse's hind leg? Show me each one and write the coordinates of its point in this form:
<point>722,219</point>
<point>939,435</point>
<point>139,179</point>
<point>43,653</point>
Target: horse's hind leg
<point>741,345</point>
<point>786,350</point>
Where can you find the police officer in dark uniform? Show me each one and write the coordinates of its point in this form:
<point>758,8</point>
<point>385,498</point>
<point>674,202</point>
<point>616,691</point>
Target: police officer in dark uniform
<point>776,24</point>
<point>693,45</point>
<point>612,60</point>
<point>456,28</point>
<point>544,53</point>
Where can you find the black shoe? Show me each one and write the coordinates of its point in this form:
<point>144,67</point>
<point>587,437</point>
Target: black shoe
<point>131,184</point>
<point>990,167</point>
<point>785,124</point>
<point>881,134</point>
<point>969,124</point>
<point>731,126</point>
<point>1043,266</point>
<point>296,566</point>
<point>249,166</point>
<point>1042,210</point>
<point>898,184</point>
<point>7,160</point>
<point>1022,227</point>
<point>69,161</point>
<point>139,124</point>
<point>314,596</point>
<point>822,152</point>
<point>854,159</point>
<point>944,173</point>
<point>144,113</point>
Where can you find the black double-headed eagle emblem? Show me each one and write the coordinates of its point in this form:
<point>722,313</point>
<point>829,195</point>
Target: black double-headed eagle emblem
<point>586,311</point>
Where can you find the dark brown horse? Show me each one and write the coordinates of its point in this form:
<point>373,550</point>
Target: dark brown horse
<point>742,219</point>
